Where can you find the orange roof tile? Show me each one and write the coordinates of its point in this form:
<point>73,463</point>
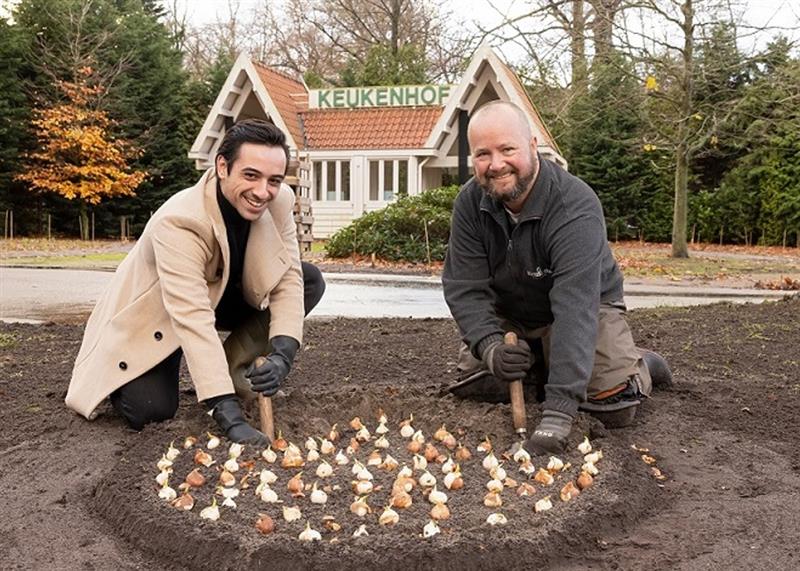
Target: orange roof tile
<point>369,128</point>
<point>289,96</point>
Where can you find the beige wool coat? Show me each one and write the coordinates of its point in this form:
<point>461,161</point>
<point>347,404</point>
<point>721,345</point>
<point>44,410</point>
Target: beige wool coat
<point>164,293</point>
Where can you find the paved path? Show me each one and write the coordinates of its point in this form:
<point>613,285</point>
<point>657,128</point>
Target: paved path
<point>60,295</point>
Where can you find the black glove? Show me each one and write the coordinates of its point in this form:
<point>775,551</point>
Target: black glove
<point>267,378</point>
<point>550,436</point>
<point>507,362</point>
<point>229,417</point>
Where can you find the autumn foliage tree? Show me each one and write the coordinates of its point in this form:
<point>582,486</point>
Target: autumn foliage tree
<point>77,156</point>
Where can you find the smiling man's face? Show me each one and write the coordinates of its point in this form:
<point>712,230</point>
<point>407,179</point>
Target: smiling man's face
<point>253,179</point>
<point>503,156</point>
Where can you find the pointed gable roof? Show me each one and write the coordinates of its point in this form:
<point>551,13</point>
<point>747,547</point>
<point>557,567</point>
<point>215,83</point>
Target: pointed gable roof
<point>245,94</point>
<point>486,70</point>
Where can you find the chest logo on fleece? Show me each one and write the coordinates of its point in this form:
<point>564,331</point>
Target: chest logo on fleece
<point>539,273</point>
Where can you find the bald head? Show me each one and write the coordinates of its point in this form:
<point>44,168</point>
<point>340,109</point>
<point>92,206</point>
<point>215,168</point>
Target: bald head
<point>503,153</point>
<point>502,113</point>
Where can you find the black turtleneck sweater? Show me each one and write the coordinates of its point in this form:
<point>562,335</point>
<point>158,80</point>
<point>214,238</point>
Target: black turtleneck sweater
<point>232,307</point>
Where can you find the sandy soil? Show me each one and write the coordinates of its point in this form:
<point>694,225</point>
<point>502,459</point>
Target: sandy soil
<point>81,495</point>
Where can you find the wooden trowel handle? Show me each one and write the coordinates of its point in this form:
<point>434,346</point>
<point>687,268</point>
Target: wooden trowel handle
<point>517,396</point>
<point>265,410</point>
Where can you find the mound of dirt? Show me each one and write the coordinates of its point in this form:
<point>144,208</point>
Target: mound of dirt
<point>128,496</point>
<point>81,495</point>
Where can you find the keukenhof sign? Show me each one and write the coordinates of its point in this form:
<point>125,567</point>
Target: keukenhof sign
<point>394,96</point>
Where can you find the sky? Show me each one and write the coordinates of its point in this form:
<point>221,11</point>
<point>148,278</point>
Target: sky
<point>783,14</point>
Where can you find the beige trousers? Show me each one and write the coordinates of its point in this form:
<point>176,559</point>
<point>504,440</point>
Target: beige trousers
<point>616,357</point>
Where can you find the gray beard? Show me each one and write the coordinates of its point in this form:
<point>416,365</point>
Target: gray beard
<point>523,183</point>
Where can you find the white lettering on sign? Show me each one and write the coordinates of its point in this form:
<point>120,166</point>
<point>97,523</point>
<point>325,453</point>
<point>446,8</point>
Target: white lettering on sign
<point>391,96</point>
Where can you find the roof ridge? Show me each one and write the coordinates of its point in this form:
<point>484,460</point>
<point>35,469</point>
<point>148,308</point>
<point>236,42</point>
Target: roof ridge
<point>278,72</point>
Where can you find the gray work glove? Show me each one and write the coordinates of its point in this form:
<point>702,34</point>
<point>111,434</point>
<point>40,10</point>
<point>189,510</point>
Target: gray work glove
<point>267,378</point>
<point>507,362</point>
<point>550,436</point>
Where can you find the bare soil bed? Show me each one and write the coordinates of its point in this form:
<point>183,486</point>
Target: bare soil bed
<point>82,495</point>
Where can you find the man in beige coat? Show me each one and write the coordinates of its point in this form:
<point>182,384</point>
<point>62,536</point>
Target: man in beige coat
<point>221,255</point>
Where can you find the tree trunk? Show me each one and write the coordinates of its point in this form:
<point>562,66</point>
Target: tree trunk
<point>578,46</point>
<point>680,213</point>
<point>84,213</point>
<point>603,28</point>
<point>679,246</point>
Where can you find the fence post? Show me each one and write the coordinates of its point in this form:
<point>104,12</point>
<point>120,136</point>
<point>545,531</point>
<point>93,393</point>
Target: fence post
<point>427,241</point>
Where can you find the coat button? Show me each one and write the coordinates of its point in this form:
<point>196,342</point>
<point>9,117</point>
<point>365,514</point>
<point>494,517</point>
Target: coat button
<point>123,365</point>
<point>158,335</point>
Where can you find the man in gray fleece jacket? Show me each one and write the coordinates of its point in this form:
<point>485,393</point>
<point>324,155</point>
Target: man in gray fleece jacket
<point>528,253</point>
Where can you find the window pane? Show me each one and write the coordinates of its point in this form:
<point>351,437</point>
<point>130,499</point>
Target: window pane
<point>402,181</point>
<point>373,179</point>
<point>345,180</point>
<point>330,178</point>
<point>388,180</point>
<point>317,180</point>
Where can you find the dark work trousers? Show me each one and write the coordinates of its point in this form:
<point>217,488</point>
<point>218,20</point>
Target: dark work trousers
<point>153,396</point>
